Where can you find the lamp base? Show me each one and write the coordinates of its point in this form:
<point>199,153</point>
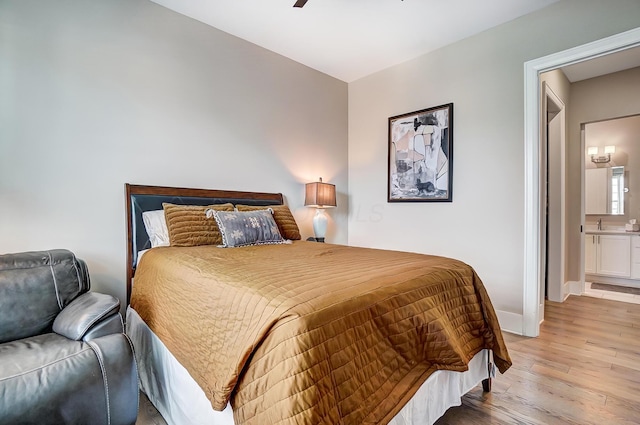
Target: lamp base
<point>312,239</point>
<point>320,224</point>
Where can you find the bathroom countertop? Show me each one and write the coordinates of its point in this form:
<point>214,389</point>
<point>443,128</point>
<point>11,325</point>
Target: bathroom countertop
<point>613,231</point>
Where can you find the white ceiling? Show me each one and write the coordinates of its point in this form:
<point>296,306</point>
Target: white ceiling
<point>349,39</point>
<point>607,64</point>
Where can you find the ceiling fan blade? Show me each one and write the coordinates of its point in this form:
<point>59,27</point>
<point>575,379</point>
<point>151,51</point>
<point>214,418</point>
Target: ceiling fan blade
<point>300,3</point>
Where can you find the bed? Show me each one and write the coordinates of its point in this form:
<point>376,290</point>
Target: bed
<point>299,332</point>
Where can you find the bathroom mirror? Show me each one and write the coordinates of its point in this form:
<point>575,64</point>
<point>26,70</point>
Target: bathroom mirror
<point>604,191</point>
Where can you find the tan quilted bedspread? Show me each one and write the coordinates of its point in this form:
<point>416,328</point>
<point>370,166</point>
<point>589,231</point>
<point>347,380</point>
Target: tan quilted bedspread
<point>313,333</point>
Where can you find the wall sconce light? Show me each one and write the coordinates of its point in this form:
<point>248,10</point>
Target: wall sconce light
<point>320,195</point>
<point>593,151</point>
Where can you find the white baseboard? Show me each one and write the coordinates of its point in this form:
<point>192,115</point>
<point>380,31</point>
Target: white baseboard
<point>632,283</point>
<point>510,322</point>
<point>572,287</point>
<point>513,322</point>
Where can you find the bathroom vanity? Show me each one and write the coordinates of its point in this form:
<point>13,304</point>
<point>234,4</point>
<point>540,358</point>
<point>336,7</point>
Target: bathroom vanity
<point>612,252</point>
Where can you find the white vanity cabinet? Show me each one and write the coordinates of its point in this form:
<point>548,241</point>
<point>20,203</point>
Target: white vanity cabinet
<point>608,255</point>
<point>614,255</point>
<point>635,256</point>
<point>590,253</point>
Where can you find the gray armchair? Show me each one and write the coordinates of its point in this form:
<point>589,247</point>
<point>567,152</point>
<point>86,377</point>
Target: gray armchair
<point>64,358</point>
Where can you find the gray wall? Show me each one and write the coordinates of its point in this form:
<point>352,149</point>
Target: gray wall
<point>484,77</point>
<point>96,93</point>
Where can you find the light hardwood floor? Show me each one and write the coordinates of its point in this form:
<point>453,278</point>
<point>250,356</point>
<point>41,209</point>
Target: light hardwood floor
<point>584,369</point>
<point>147,414</point>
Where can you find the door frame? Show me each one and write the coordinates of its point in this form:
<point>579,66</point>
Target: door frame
<point>532,247</point>
<point>557,243</point>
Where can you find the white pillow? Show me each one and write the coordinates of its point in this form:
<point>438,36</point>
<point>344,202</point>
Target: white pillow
<point>139,257</point>
<point>156,227</point>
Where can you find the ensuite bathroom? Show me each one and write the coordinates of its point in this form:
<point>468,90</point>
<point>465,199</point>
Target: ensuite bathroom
<point>612,209</point>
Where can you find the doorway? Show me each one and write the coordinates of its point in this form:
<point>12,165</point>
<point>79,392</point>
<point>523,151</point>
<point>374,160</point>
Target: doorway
<point>534,249</point>
<point>553,189</point>
<point>554,143</point>
<point>612,197</point>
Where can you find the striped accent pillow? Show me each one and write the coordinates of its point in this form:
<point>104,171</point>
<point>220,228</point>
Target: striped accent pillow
<point>188,225</point>
<point>283,216</point>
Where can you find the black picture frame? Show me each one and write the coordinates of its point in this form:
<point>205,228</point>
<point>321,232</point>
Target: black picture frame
<point>420,164</point>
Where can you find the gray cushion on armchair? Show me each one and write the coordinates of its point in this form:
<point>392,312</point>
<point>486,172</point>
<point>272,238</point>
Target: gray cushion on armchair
<point>63,356</point>
<point>86,312</point>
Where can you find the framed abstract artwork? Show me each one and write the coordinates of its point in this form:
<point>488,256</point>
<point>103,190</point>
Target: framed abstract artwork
<point>420,167</point>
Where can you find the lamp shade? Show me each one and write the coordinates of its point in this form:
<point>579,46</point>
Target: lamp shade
<point>320,195</point>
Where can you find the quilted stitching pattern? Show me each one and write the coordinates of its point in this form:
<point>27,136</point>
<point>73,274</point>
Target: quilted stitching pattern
<point>315,333</point>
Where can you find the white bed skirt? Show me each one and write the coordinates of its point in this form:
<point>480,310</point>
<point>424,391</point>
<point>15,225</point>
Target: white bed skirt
<point>182,402</point>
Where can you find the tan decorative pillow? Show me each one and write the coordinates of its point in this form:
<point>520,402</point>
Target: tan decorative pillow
<point>189,225</point>
<point>284,219</point>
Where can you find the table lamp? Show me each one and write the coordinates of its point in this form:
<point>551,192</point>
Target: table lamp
<point>320,195</point>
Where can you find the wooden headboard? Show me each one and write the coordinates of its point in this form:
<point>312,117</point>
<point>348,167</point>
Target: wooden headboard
<point>139,199</point>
